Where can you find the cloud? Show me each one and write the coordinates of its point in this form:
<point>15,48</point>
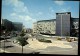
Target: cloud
<point>40,13</point>
<point>65,9</point>
<point>13,14</point>
<point>18,6</point>
<point>28,18</point>
<point>51,9</point>
<point>20,12</point>
<point>59,2</point>
<point>23,17</point>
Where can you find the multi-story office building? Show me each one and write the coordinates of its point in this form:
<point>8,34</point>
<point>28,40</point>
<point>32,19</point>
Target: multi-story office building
<point>66,25</point>
<point>63,23</point>
<point>44,26</point>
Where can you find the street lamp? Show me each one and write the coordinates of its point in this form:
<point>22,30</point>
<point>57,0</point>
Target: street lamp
<point>61,25</point>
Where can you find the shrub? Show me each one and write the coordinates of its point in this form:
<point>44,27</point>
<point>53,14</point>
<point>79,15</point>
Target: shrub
<point>69,40</point>
<point>44,40</point>
<point>75,39</point>
<point>59,38</point>
<point>22,34</point>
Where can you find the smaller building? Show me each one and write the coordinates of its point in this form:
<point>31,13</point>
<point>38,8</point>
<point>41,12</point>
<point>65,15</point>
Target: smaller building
<point>28,30</point>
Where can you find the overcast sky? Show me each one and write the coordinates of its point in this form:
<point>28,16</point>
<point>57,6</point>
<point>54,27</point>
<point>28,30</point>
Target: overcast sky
<point>29,11</point>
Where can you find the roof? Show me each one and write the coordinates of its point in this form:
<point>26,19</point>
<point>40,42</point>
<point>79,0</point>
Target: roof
<point>64,13</point>
<point>17,23</point>
<point>46,20</point>
<point>74,18</point>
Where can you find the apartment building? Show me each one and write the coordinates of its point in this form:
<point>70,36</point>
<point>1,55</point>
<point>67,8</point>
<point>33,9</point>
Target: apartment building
<point>44,26</point>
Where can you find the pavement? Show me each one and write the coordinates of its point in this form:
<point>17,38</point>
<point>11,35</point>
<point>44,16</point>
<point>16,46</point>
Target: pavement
<point>15,48</point>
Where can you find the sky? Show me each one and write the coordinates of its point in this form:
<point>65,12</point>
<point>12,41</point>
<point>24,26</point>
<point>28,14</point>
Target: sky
<point>30,11</point>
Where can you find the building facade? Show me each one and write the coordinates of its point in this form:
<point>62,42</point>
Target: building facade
<point>75,27</point>
<point>44,26</point>
<point>63,23</point>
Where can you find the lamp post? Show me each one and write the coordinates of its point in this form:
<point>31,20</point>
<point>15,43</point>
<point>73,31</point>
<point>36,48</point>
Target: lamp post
<point>61,25</point>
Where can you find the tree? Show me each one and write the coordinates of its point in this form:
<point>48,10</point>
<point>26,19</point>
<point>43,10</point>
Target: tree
<point>22,42</point>
<point>22,33</point>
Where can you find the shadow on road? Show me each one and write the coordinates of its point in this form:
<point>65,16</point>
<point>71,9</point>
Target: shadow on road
<point>34,53</point>
<point>7,41</point>
<point>8,46</point>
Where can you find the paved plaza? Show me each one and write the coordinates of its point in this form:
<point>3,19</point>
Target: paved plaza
<point>56,47</point>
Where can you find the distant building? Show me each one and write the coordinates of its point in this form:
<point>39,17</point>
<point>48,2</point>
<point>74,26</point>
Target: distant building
<point>35,27</point>
<point>44,26</point>
<point>1,21</point>
<point>7,24</point>
<point>12,26</point>
<point>28,30</point>
<point>17,26</point>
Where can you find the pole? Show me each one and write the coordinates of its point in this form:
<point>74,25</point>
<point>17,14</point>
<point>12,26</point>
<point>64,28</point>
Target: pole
<point>61,25</point>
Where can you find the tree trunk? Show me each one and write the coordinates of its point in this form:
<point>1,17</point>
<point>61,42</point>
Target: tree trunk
<point>22,49</point>
<point>4,44</point>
